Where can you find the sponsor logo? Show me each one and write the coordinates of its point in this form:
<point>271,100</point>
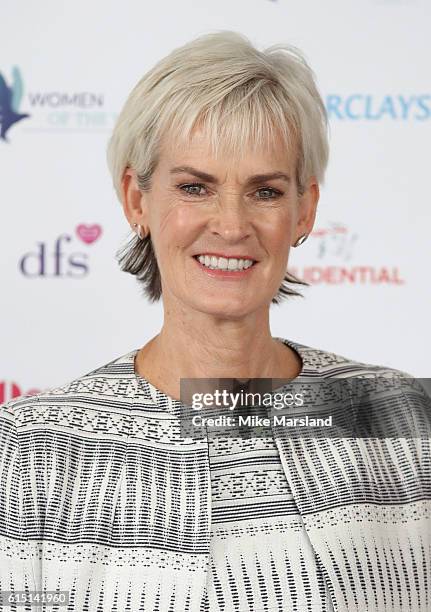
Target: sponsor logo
<point>337,243</point>
<point>57,259</point>
<point>10,101</point>
<point>10,390</point>
<point>371,107</point>
<point>53,110</point>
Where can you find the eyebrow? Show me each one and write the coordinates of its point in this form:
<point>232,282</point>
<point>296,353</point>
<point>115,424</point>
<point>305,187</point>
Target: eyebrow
<point>209,178</point>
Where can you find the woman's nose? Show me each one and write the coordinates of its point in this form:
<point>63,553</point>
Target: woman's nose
<point>231,219</point>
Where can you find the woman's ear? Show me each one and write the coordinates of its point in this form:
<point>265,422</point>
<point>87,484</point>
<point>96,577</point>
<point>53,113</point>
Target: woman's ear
<point>308,207</point>
<point>133,200</point>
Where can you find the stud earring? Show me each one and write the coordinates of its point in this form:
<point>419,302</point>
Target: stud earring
<point>301,240</point>
<point>139,231</point>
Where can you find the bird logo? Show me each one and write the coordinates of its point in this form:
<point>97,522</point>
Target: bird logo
<point>10,100</point>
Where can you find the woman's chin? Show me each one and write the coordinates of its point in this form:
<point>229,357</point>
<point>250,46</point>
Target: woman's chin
<point>223,307</point>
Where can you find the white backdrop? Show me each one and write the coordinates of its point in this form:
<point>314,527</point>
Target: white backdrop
<point>77,62</point>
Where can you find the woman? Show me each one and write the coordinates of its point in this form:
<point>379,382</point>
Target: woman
<point>217,158</point>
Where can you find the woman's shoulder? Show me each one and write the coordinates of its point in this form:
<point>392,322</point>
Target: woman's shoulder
<point>370,380</point>
<point>115,379</point>
<point>327,363</point>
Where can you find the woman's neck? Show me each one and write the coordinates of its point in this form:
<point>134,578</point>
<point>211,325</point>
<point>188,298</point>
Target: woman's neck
<point>169,357</point>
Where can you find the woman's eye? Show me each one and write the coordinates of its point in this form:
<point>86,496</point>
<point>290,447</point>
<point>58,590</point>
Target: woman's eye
<point>191,188</point>
<point>194,190</point>
<point>273,193</point>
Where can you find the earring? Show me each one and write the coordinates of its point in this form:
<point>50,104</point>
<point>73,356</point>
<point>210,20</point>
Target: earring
<point>301,240</point>
<point>139,231</point>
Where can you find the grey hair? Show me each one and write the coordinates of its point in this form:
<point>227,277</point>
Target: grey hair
<point>241,97</point>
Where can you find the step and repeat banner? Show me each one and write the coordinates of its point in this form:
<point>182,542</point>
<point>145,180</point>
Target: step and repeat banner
<point>66,69</point>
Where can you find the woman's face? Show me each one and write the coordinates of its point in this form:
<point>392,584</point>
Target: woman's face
<point>199,205</point>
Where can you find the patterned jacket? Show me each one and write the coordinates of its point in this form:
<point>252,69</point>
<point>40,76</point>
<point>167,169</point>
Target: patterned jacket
<point>101,496</point>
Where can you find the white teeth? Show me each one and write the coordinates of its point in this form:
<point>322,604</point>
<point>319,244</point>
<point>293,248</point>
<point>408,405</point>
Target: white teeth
<point>222,263</point>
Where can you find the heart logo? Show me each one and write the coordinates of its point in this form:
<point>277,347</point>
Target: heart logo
<point>88,233</point>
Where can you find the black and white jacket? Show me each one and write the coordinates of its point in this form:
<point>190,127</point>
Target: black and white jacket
<point>102,497</point>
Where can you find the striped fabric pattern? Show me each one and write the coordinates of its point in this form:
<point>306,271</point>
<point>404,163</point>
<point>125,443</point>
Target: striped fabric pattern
<point>101,496</point>
<point>260,555</point>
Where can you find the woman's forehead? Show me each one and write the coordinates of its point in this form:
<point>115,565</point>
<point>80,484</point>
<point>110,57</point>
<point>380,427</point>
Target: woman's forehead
<point>198,147</point>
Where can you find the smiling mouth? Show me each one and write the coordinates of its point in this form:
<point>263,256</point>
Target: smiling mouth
<point>224,265</point>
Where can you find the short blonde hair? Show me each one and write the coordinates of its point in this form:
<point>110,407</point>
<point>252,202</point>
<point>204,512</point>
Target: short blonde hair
<point>241,97</point>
